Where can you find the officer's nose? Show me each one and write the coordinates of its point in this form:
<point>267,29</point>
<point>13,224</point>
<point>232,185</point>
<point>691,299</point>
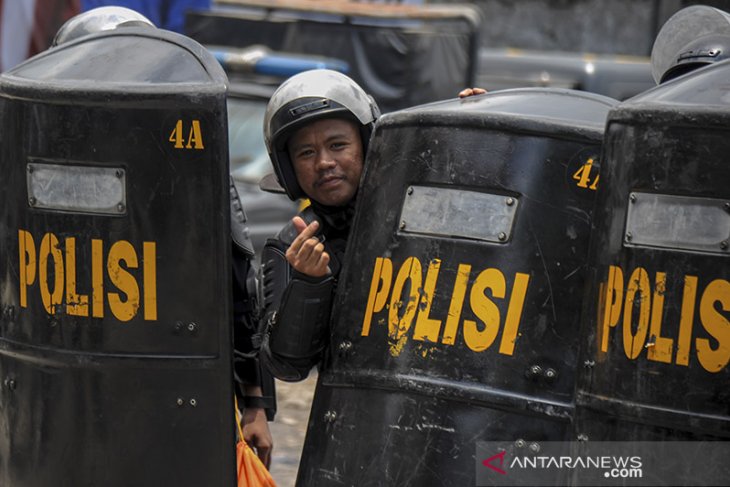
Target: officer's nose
<point>325,160</point>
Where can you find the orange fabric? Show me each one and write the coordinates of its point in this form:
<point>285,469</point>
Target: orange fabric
<point>250,470</point>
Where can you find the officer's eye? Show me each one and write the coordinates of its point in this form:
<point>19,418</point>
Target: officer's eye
<point>304,153</point>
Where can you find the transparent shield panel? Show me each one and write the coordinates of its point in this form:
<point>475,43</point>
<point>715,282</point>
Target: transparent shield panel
<point>678,222</point>
<point>81,189</point>
<point>450,212</point>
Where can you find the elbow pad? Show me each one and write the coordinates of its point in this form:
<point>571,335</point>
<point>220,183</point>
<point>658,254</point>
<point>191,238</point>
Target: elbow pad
<point>298,329</point>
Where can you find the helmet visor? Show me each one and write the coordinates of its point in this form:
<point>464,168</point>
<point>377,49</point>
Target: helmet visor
<point>682,28</point>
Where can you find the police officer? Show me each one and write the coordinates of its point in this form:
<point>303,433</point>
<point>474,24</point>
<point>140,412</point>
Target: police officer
<point>254,386</point>
<point>317,127</point>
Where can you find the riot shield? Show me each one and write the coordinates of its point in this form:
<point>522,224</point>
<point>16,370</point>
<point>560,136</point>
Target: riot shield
<point>115,275</point>
<point>656,335</point>
<point>456,315</point>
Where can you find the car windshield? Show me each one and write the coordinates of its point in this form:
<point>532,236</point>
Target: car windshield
<point>249,158</point>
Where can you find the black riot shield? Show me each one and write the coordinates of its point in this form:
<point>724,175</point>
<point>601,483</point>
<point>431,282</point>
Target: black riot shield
<point>456,317</point>
<point>656,329</point>
<point>115,266</point>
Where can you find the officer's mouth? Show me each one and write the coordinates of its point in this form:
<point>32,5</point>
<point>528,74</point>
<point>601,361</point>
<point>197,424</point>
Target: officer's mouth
<point>329,182</point>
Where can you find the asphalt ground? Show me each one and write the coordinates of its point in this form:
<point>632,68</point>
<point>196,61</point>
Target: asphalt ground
<point>294,401</point>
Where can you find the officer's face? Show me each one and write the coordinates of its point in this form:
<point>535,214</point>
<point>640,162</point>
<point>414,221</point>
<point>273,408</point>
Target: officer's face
<point>327,157</point>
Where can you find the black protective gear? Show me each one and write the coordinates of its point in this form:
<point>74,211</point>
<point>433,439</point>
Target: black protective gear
<point>296,307</point>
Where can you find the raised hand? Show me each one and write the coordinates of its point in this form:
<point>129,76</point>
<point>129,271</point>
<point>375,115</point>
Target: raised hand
<point>306,253</point>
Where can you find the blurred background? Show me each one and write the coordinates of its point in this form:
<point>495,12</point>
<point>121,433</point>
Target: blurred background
<point>403,53</point>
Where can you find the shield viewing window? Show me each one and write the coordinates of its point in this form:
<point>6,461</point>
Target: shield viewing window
<point>82,189</point>
<point>678,222</point>
<point>450,212</point>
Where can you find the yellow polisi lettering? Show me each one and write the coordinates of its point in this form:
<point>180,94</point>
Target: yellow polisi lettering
<point>123,309</point>
<point>149,259</point>
<point>76,304</point>
<point>644,330</point>
<point>67,287</point>
<point>638,284</point>
<point>26,247</point>
<point>97,278</point>
<point>514,314</point>
<point>714,359</point>
<point>660,348</point>
<point>612,302</point>
<point>399,326</point>
<point>686,320</point>
<point>428,329</point>
<point>485,309</point>
<point>379,289</point>
<point>49,249</point>
<point>457,302</point>
<point>410,302</point>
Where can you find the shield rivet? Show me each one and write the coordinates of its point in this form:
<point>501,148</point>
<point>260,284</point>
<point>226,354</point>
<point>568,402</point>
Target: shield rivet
<point>550,374</point>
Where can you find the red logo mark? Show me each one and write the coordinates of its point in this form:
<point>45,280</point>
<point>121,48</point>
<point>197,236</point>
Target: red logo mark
<point>499,455</point>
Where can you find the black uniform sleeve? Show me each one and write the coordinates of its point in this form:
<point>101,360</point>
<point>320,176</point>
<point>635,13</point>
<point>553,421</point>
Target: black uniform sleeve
<point>295,315</point>
<point>247,367</point>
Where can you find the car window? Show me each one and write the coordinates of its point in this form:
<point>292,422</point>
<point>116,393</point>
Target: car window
<point>248,155</point>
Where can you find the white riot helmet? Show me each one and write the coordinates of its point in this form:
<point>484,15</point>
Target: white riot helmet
<point>98,20</point>
<point>693,37</point>
<point>304,98</point>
